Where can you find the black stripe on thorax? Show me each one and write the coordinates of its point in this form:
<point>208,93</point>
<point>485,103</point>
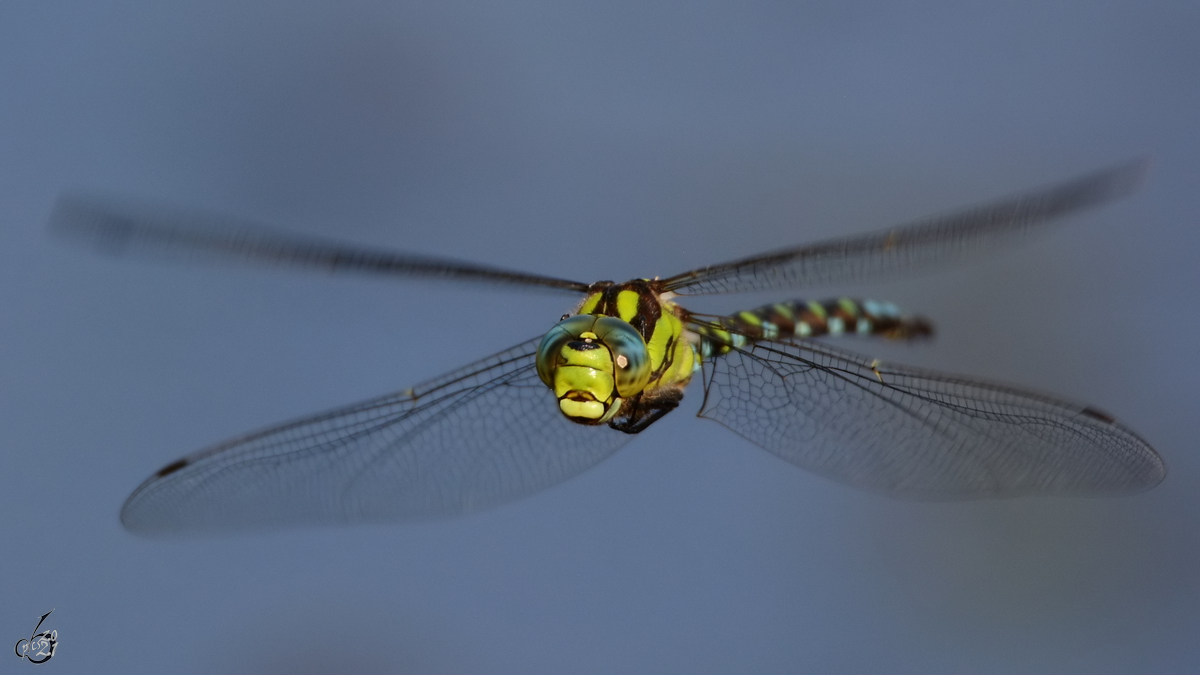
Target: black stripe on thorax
<point>648,311</point>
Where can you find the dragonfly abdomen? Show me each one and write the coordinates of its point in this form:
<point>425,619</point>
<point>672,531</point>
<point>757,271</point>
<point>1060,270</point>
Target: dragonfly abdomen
<point>809,319</point>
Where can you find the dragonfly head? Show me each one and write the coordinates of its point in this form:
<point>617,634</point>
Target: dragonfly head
<point>592,363</point>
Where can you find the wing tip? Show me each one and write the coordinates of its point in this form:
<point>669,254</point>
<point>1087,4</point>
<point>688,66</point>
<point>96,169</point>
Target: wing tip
<point>90,221</point>
<point>1123,179</point>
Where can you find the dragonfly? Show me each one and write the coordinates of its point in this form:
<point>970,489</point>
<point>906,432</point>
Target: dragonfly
<point>536,414</point>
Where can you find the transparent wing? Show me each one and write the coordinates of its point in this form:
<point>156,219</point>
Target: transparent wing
<point>909,246</point>
<point>121,228</point>
<point>917,434</point>
<point>482,435</point>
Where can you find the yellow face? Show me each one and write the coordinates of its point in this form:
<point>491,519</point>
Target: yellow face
<point>583,379</point>
<point>592,363</point>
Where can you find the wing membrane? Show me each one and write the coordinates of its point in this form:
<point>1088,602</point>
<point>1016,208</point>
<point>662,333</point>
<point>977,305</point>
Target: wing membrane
<point>917,434</point>
<point>482,435</point>
<point>909,246</point>
<point>123,228</point>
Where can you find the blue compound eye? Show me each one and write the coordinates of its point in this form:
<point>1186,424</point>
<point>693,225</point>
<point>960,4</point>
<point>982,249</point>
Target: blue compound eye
<point>567,330</point>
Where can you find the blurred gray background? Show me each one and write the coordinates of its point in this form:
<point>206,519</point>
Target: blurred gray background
<point>598,140</point>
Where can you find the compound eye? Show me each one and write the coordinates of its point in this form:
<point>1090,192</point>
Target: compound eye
<point>631,359</point>
<point>563,332</point>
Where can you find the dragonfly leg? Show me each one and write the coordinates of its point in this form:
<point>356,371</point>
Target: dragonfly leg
<point>645,409</point>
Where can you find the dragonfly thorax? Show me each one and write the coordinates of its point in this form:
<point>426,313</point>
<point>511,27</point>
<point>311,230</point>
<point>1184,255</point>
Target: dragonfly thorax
<point>593,363</point>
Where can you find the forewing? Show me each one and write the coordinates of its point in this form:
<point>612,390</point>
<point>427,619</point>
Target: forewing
<point>129,228</point>
<point>917,434</point>
<point>910,246</point>
<point>482,435</point>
